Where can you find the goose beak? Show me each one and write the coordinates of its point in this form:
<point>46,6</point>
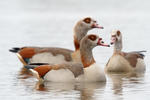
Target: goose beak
<point>113,39</point>
<point>101,43</point>
<point>95,25</point>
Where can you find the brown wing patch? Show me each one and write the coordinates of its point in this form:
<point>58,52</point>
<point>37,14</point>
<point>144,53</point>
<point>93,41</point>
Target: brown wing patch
<point>42,70</point>
<point>132,58</point>
<point>56,51</point>
<point>87,20</point>
<point>74,67</point>
<point>92,37</point>
<point>27,52</point>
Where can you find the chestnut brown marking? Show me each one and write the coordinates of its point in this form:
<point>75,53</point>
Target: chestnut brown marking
<point>56,51</point>
<point>27,52</point>
<point>87,20</point>
<point>75,68</point>
<point>40,87</point>
<point>87,63</point>
<point>92,37</point>
<point>132,58</point>
<point>43,69</point>
<point>133,61</point>
<point>118,33</point>
<point>76,43</point>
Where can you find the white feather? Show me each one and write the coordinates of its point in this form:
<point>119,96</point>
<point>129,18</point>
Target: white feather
<point>140,66</point>
<point>47,58</point>
<point>118,64</point>
<point>61,75</point>
<point>114,32</point>
<point>91,74</point>
<point>94,73</point>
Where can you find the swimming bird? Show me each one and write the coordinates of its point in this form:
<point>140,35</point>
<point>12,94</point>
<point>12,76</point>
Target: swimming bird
<point>57,55</point>
<point>124,61</point>
<point>87,71</point>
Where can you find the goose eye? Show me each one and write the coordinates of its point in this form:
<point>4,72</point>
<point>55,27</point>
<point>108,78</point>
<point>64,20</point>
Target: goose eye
<point>92,37</point>
<point>87,20</point>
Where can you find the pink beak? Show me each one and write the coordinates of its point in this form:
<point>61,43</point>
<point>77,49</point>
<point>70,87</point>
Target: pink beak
<point>101,43</point>
<point>95,25</point>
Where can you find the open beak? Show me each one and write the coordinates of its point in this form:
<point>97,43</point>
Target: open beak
<point>95,25</point>
<point>101,43</point>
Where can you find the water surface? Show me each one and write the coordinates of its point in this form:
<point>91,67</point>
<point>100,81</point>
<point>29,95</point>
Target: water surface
<point>50,23</point>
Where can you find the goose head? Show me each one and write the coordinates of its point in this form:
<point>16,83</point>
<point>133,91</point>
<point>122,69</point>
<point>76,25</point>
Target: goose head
<point>81,29</point>
<point>116,36</point>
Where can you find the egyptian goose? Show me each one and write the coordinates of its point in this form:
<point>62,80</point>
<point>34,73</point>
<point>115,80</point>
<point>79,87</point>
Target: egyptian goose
<point>53,54</point>
<point>122,61</point>
<point>87,71</point>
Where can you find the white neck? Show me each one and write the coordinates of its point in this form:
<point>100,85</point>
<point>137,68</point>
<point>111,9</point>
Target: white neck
<point>118,46</point>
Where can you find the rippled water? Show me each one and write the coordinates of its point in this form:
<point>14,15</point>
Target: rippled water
<point>50,23</point>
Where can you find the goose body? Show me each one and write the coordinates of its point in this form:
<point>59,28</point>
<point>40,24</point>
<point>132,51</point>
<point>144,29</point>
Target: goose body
<point>50,54</point>
<point>87,71</point>
<point>124,61</point>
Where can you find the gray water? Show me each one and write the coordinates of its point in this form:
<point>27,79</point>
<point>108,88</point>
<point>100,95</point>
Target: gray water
<point>50,23</point>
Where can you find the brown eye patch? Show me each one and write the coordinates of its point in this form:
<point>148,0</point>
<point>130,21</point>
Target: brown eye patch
<point>87,20</point>
<point>92,37</point>
<point>118,33</point>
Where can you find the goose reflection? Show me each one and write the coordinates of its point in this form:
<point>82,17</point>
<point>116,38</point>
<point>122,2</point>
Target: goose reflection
<point>120,80</point>
<point>24,73</point>
<point>86,91</point>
